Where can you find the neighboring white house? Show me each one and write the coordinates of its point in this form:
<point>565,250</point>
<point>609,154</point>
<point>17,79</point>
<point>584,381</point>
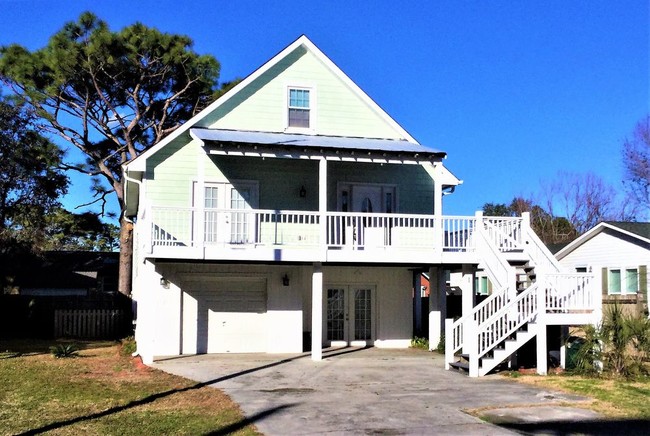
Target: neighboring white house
<point>294,212</point>
<point>618,253</point>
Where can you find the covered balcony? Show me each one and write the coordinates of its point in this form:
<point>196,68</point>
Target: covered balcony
<point>304,236</point>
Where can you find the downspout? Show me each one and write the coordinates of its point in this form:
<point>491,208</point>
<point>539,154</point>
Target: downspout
<point>126,218</point>
<point>137,182</point>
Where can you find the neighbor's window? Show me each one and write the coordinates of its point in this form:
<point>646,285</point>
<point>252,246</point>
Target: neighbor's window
<point>623,281</point>
<point>481,286</point>
<point>299,108</point>
<point>631,281</point>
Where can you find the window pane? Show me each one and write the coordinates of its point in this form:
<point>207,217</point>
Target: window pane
<point>299,98</point>
<point>631,281</point>
<point>298,118</point>
<point>615,281</point>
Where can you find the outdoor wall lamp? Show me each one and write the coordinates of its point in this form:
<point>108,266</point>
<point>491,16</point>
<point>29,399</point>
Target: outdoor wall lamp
<point>285,280</point>
<point>303,192</point>
<point>164,283</point>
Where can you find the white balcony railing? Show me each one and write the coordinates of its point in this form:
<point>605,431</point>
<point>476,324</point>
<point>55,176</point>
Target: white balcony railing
<point>196,227</point>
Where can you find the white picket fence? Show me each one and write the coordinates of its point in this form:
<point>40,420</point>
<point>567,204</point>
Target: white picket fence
<point>88,323</point>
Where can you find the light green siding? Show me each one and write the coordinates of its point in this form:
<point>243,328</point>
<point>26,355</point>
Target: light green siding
<point>172,171</point>
<point>338,111</point>
<point>413,183</point>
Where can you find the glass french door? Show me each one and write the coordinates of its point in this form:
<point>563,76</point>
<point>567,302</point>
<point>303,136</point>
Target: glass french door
<point>350,315</point>
<point>220,216</point>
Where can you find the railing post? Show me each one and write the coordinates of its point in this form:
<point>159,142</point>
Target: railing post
<point>525,227</point>
<point>437,233</point>
<point>449,342</point>
<point>471,337</point>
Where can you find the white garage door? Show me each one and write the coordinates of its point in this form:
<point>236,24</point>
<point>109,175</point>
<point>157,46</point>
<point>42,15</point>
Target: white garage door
<point>231,316</point>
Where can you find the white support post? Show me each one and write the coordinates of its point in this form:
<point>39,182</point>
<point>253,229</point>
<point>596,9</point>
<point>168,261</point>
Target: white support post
<point>322,204</point>
<point>564,335</point>
<point>542,359</point>
<point>449,342</point>
<point>525,225</point>
<point>437,213</point>
<point>468,293</point>
<point>199,204</point>
<point>470,333</point>
<point>317,313</point>
<point>437,305</point>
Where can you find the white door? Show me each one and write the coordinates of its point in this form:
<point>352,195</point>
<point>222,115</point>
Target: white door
<point>231,316</point>
<point>350,315</point>
<point>364,231</point>
<point>219,217</point>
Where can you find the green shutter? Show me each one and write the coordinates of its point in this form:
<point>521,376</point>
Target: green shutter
<point>604,281</point>
<point>643,279</point>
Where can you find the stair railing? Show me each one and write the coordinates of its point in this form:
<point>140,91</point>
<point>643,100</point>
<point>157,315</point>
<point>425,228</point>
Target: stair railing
<point>506,233</point>
<point>510,318</point>
<point>541,257</point>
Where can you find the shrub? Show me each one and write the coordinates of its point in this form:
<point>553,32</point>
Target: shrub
<point>128,346</point>
<point>620,345</point>
<point>421,343</point>
<point>69,350</point>
<point>441,345</point>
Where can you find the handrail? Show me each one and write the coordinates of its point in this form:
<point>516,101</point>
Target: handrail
<point>197,226</point>
<point>510,318</point>
<point>499,269</point>
<point>540,254</point>
<point>505,232</point>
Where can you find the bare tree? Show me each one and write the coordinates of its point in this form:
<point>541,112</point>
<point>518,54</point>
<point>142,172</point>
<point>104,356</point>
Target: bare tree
<point>584,200</point>
<point>636,162</point>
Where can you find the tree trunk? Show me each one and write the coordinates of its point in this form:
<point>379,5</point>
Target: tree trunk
<point>126,256</point>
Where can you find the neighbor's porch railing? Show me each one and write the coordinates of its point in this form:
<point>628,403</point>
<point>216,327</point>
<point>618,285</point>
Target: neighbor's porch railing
<point>194,227</point>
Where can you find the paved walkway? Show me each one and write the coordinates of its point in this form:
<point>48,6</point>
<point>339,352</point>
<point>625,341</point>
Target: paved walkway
<point>363,391</point>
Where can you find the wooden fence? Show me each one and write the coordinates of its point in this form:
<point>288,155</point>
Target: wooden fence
<point>89,323</point>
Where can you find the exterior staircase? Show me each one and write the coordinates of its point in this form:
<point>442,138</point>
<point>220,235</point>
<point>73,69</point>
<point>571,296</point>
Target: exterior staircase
<point>531,292</point>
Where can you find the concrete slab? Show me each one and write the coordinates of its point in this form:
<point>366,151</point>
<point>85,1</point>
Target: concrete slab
<point>359,391</point>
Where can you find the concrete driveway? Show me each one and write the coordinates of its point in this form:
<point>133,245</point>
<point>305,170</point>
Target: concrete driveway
<point>362,391</point>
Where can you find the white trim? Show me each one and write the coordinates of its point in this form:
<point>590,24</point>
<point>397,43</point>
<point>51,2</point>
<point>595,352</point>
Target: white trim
<point>138,164</point>
<point>591,234</point>
<point>312,108</point>
<point>623,279</point>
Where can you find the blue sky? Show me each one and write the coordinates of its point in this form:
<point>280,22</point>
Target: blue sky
<point>513,91</point>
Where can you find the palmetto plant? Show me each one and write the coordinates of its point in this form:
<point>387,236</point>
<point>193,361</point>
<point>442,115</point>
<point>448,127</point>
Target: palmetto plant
<point>619,345</point>
<point>65,350</point>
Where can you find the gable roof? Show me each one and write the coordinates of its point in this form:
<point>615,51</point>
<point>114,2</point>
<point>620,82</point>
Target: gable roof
<point>638,231</point>
<point>137,164</point>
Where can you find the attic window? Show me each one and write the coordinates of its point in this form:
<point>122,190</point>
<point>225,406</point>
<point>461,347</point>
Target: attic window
<point>299,108</point>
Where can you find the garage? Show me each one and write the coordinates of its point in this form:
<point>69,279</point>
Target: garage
<point>229,313</point>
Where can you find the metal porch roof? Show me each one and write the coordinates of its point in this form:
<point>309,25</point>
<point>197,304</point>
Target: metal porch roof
<point>391,146</point>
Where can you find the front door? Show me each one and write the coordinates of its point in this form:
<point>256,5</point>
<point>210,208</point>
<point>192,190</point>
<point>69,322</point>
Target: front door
<point>364,231</point>
<point>350,315</point>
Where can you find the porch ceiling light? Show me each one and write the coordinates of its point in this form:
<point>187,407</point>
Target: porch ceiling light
<point>164,283</point>
<point>303,191</point>
<point>285,280</point>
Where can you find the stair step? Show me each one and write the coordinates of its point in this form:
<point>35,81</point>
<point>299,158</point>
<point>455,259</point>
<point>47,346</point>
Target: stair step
<point>464,356</point>
<point>464,366</point>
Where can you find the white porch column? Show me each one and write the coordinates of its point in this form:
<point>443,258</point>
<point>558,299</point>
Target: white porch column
<point>468,294</point>
<point>437,305</point>
<point>317,313</point>
<point>437,212</point>
<point>542,359</point>
<point>322,203</point>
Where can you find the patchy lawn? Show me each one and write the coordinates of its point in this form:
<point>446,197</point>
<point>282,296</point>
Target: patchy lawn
<point>615,398</point>
<point>104,392</point>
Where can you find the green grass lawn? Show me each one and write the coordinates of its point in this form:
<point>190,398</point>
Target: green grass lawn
<point>105,392</point>
<point>615,398</point>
